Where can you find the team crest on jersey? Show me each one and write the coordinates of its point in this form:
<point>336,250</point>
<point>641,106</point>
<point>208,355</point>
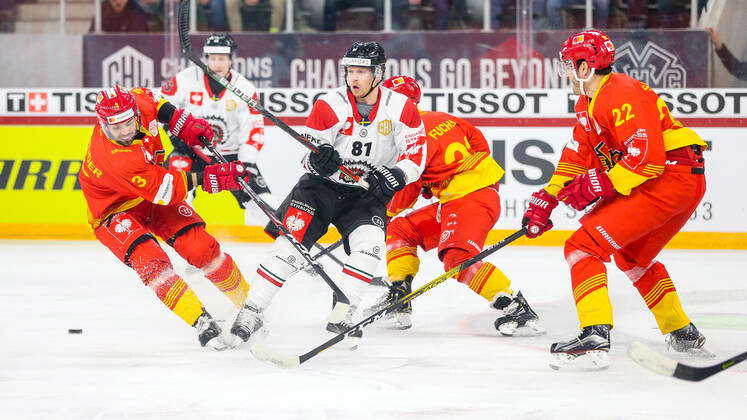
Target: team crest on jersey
<point>231,105</point>
<point>185,210</point>
<point>153,128</point>
<point>195,98</point>
<point>347,128</point>
<point>636,148</point>
<point>385,127</point>
<point>583,119</point>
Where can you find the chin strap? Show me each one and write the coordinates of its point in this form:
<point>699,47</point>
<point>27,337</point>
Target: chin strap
<point>582,81</point>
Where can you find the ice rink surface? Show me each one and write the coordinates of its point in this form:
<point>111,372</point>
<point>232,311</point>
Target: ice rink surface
<point>136,360</point>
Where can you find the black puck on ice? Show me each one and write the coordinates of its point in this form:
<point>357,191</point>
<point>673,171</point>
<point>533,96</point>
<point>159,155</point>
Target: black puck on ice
<point>74,331</point>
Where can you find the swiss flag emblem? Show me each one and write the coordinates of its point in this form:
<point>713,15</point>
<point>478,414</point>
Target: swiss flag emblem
<point>195,98</point>
<point>37,101</point>
<point>347,128</point>
<point>583,119</point>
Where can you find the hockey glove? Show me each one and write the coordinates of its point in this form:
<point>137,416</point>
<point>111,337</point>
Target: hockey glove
<point>384,182</point>
<point>190,129</point>
<point>537,217</point>
<point>256,181</point>
<point>223,176</point>
<point>587,188</point>
<point>325,162</point>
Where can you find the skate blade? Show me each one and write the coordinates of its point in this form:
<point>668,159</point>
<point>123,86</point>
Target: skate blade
<point>257,337</point>
<point>590,361</point>
<point>347,344</point>
<point>531,329</point>
<point>218,344</point>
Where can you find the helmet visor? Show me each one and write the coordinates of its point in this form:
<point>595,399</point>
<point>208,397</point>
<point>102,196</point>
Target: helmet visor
<point>566,67</point>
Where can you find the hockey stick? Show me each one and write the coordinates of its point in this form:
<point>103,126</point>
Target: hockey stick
<point>657,362</point>
<point>268,355</point>
<point>339,311</point>
<point>187,51</point>
<point>328,252</point>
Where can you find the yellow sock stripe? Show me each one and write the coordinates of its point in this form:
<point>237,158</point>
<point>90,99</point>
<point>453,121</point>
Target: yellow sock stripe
<point>658,290</point>
<point>396,253</point>
<point>589,284</point>
<point>231,282</point>
<point>175,292</point>
<point>478,280</point>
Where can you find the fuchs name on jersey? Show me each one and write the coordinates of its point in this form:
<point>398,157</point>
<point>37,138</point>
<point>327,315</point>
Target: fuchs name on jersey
<point>393,133</point>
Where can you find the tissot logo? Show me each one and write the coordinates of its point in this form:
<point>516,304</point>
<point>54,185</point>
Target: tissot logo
<point>16,101</point>
<point>652,64</point>
<point>127,67</point>
<point>38,101</point>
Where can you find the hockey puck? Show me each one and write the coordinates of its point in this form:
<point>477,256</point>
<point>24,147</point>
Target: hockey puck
<point>74,331</point>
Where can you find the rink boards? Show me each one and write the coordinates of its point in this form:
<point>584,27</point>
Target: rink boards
<point>45,134</point>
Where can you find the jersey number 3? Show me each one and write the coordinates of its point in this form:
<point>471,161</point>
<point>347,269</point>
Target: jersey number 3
<point>359,146</point>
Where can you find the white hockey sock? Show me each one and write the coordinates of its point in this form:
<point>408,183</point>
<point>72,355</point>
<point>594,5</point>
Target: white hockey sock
<point>280,263</point>
<point>366,243</point>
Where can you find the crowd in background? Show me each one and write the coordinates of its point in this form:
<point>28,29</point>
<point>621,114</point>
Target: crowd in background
<point>331,15</point>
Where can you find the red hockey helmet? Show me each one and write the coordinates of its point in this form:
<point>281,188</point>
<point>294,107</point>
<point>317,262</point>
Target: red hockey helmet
<point>592,46</point>
<point>116,110</point>
<point>405,85</point>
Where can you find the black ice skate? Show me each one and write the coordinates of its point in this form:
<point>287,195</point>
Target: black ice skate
<point>686,339</point>
<point>587,351</point>
<point>209,333</point>
<point>351,341</point>
<point>401,318</point>
<point>518,316</point>
<point>249,324</point>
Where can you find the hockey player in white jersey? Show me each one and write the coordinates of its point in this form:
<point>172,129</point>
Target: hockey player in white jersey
<point>238,129</point>
<point>379,135</point>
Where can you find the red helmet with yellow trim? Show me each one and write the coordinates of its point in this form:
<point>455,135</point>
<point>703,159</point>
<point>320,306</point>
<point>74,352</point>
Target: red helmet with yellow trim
<point>117,111</point>
<point>592,46</point>
<point>405,85</point>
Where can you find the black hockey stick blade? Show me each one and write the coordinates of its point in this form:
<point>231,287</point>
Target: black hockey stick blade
<point>266,354</point>
<point>663,365</point>
<point>186,45</point>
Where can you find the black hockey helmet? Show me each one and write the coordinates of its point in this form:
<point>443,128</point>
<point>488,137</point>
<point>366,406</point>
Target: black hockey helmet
<point>365,54</point>
<point>219,43</point>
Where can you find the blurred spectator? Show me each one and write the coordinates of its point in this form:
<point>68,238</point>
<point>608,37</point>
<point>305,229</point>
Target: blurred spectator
<point>353,15</point>
<point>255,15</point>
<point>669,13</point>
<point>121,16</point>
<point>732,64</point>
<point>158,9</point>
<point>420,14</point>
<point>503,14</point>
<point>554,8</point>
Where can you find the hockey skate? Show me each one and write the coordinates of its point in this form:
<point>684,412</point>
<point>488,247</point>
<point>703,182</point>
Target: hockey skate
<point>688,340</point>
<point>518,317</point>
<point>248,326</point>
<point>588,351</point>
<point>400,319</point>
<point>209,333</point>
<point>351,341</point>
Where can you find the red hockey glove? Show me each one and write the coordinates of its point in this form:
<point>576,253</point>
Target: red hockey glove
<point>223,176</point>
<point>180,162</point>
<point>537,217</point>
<point>586,188</point>
<point>189,128</point>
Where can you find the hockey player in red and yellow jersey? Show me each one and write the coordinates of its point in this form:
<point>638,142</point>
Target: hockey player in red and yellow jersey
<point>463,176</point>
<point>132,198</point>
<point>644,170</point>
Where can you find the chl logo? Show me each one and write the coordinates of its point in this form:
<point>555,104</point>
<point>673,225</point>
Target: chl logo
<point>127,67</point>
<point>652,64</point>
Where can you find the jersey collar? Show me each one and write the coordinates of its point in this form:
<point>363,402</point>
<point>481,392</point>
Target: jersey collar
<point>356,115</point>
<point>206,80</point>
<point>596,94</point>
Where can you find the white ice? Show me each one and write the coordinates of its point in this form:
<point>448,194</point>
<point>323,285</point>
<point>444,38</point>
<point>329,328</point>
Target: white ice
<point>136,360</point>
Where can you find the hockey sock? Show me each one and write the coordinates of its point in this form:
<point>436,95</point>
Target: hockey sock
<point>280,263</point>
<point>660,295</point>
<point>365,244</point>
<point>155,270</point>
<point>401,262</point>
<point>483,278</point>
<point>226,276</point>
<point>589,282</point>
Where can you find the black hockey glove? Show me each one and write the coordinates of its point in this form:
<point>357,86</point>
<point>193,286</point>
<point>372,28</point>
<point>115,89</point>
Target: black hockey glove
<point>256,181</point>
<point>326,162</point>
<point>384,182</point>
